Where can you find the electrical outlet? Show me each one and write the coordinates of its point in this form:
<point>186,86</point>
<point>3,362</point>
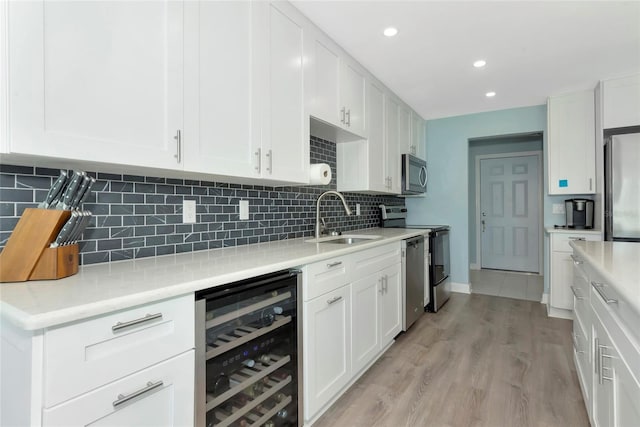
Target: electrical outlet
<point>357,209</point>
<point>189,211</point>
<point>244,209</point>
<point>558,208</point>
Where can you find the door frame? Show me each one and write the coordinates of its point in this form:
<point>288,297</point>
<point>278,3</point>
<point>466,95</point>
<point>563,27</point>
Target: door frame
<point>538,155</point>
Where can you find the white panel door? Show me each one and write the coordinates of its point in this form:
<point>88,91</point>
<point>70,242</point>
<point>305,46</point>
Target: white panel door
<point>510,219</point>
<point>286,143</point>
<point>327,355</point>
<point>97,80</point>
<point>221,130</point>
<point>377,166</point>
<point>353,93</point>
<point>391,304</point>
<point>366,293</point>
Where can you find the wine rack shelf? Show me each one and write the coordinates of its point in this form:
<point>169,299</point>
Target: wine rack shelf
<point>227,317</point>
<point>242,335</point>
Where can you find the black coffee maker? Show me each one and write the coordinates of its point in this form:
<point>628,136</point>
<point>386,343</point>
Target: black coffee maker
<point>579,213</point>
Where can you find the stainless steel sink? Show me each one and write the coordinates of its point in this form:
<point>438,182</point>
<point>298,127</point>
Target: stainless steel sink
<point>345,239</point>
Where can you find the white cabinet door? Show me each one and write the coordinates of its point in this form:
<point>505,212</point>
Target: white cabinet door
<point>571,143</point>
<point>353,93</point>
<point>97,81</point>
<point>392,148</point>
<point>161,395</point>
<point>366,314</point>
<point>377,166</point>
<point>562,274</point>
<point>602,388</point>
<point>222,132</point>
<point>416,147</point>
<point>626,408</point>
<point>325,94</point>
<point>621,102</point>
<point>285,131</point>
<point>391,304</point>
<point>327,348</point>
<point>405,124</point>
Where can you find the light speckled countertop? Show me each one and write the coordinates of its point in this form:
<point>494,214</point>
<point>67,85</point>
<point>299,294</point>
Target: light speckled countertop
<point>618,263</point>
<point>571,230</point>
<point>103,288</point>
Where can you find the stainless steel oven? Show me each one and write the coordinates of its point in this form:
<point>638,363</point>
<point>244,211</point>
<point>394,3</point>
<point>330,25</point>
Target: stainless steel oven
<point>414,175</point>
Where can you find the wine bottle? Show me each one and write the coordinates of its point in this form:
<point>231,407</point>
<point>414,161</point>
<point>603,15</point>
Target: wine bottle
<point>249,363</point>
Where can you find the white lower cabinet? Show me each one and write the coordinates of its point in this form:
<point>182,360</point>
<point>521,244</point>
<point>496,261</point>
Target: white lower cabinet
<point>352,312</point>
<point>161,395</point>
<point>327,347</point>
<point>606,351</point>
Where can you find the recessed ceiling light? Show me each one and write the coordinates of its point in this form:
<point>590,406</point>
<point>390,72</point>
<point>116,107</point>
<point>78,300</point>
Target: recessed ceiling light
<point>490,94</point>
<point>480,63</point>
<point>390,32</point>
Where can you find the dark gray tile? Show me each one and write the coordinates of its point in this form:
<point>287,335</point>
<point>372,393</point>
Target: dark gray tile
<point>166,189</point>
<point>97,208</point>
<point>25,170</point>
<point>200,246</point>
<point>144,209</point>
<point>47,172</point>
<point>107,245</point>
<point>14,195</point>
<point>121,187</point>
<point>121,209</point>
<point>87,246</point>
<point>175,181</point>
<point>20,207</point>
<point>95,234</point>
<point>120,255</point>
<point>94,258</point>
<point>109,176</point>
<point>165,250</point>
<point>154,198</point>
<point>109,197</point>
<point>133,198</point>
<point>7,209</point>
<point>133,220</point>
<point>145,188</point>
<point>165,209</point>
<point>8,223</point>
<point>155,220</point>
<point>175,238</point>
<point>155,240</point>
<point>186,247</point>
<point>147,230</point>
<point>165,229</point>
<point>155,179</point>
<point>144,252</point>
<point>122,232</point>
<point>184,228</point>
<point>35,182</point>
<point>133,178</point>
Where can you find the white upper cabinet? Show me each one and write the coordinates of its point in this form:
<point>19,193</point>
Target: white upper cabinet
<point>571,143</point>
<point>97,81</point>
<point>621,102</point>
<point>285,128</point>
<point>338,86</point>
<point>222,128</point>
<point>405,125</point>
<point>392,145</point>
<point>417,147</point>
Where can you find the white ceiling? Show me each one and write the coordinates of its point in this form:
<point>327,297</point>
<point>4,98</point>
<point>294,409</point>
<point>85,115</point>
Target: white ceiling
<point>533,49</point>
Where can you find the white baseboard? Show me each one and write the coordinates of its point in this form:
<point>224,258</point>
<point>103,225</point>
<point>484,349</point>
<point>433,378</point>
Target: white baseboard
<point>559,312</point>
<point>474,267</point>
<point>461,288</point>
<point>545,299</point>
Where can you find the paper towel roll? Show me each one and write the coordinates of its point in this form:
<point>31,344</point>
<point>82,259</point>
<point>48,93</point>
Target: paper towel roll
<point>319,174</point>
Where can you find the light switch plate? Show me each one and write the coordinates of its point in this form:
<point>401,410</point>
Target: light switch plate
<point>558,208</point>
<point>244,209</point>
<point>189,211</point>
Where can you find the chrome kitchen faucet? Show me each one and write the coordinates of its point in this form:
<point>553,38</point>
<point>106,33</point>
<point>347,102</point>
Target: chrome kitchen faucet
<point>335,193</point>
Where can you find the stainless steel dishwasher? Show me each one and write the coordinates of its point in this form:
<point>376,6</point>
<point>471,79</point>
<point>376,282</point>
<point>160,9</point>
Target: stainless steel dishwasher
<point>413,280</point>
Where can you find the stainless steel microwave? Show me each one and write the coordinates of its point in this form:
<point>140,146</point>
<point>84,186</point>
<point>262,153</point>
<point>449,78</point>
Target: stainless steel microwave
<point>414,175</point>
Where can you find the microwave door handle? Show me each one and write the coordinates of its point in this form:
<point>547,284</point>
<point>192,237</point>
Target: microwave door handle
<point>423,176</point>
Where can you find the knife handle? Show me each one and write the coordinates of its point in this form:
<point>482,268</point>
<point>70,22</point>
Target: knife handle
<point>71,190</point>
<point>66,229</point>
<point>55,189</point>
<point>75,203</point>
<point>84,196</point>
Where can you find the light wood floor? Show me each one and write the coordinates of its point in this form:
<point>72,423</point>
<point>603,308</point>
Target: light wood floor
<point>480,361</point>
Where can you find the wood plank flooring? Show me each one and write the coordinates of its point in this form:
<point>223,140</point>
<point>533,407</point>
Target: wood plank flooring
<point>480,361</point>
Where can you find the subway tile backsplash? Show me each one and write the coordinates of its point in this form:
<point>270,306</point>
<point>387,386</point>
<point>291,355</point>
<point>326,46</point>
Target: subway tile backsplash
<point>137,216</point>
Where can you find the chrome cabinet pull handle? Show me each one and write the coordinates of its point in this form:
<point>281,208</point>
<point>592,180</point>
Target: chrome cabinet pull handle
<point>178,139</point>
<point>342,115</point>
<point>270,156</point>
<point>334,300</point>
<point>334,264</point>
<point>259,156</point>
<point>590,183</point>
<point>575,293</point>
<point>576,260</point>
<point>601,367</point>
<point>348,115</point>
<point>123,325</point>
<point>596,352</point>
<point>581,239</point>
<point>599,289</point>
<point>386,283</point>
<point>122,398</point>
<point>381,281</point>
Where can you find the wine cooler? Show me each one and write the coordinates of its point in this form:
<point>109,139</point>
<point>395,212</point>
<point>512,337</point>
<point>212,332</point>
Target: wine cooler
<point>248,353</point>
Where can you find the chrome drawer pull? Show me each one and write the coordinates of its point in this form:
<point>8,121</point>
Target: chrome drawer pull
<point>123,325</point>
<point>598,287</point>
<point>576,260</point>
<point>333,300</point>
<point>334,264</point>
<point>125,398</point>
<point>577,238</point>
<point>575,293</point>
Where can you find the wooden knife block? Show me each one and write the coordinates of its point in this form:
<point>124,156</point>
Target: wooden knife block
<point>27,255</point>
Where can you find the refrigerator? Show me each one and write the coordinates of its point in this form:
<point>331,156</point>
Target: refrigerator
<point>622,187</point>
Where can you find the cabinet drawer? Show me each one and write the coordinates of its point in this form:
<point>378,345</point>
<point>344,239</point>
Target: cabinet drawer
<point>376,259</point>
<point>581,351</point>
<point>560,241</point>
<point>86,355</point>
<point>580,289</point>
<point>325,276</point>
<point>159,395</point>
